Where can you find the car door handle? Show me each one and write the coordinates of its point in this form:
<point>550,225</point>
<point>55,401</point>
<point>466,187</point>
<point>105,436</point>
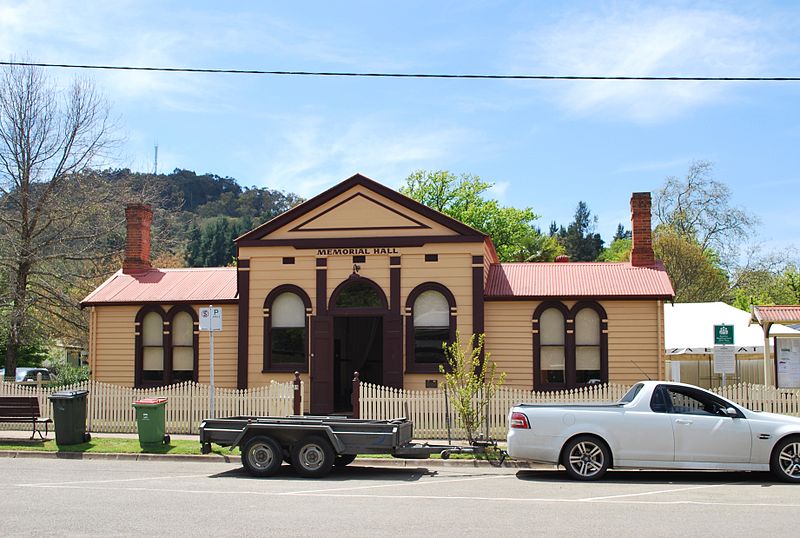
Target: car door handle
<point>683,421</point>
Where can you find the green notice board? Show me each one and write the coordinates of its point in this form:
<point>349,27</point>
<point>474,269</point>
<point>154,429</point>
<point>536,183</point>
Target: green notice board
<point>723,335</point>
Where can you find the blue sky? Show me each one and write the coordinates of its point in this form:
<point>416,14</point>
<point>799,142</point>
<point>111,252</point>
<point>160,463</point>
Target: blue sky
<point>546,145</point>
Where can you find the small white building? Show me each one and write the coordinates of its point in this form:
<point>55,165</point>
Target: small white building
<point>689,343</point>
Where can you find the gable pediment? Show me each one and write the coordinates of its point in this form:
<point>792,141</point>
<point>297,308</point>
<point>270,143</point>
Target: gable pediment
<point>360,212</point>
<point>358,208</point>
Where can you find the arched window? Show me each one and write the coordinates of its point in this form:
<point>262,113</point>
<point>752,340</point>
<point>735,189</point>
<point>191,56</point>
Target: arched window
<point>570,346</point>
<point>153,348</point>
<point>183,344</point>
<point>552,338</point>
<point>587,346</point>
<point>359,294</point>
<point>286,312</point>
<point>430,324</point>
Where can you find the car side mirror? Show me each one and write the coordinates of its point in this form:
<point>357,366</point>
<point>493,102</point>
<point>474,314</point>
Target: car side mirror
<point>731,412</point>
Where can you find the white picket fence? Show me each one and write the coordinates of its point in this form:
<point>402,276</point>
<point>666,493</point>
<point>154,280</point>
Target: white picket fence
<point>763,398</point>
<point>109,407</point>
<point>428,410</point>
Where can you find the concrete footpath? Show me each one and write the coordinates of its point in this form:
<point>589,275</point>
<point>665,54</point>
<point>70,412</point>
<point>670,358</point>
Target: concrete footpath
<point>21,437</point>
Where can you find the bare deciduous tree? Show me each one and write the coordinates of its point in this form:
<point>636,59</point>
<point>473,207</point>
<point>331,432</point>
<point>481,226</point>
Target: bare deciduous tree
<point>53,211</point>
<point>698,207</point>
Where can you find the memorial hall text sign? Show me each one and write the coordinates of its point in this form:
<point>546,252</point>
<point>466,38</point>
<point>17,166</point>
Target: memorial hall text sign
<point>356,251</point>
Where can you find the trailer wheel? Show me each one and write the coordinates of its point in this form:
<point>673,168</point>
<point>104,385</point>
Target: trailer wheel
<point>344,459</point>
<point>313,456</point>
<point>261,456</point>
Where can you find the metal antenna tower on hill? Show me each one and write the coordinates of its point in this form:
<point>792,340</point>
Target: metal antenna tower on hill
<point>155,161</point>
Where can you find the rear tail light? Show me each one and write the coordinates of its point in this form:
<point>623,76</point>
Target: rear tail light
<point>519,420</point>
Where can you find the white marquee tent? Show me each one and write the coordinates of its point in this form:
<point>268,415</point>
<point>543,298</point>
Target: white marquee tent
<point>689,329</point>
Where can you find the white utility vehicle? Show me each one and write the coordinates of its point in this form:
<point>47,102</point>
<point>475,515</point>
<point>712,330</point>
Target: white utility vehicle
<point>656,425</point>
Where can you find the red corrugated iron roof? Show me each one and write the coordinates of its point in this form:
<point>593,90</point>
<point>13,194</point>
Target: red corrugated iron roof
<point>777,314</point>
<point>577,279</point>
<point>196,285</point>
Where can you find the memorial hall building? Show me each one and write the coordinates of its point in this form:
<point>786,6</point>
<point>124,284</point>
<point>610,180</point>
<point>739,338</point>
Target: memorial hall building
<point>362,278</point>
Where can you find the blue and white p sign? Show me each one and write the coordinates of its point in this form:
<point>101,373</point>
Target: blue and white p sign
<point>211,318</point>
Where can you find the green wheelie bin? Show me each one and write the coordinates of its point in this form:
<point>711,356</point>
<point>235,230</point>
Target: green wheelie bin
<point>151,421</point>
<point>69,415</point>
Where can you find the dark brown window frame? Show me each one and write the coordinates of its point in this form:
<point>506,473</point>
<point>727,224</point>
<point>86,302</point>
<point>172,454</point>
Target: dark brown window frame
<point>267,352</point>
<point>569,344</point>
<point>412,366</point>
<point>166,343</point>
<point>174,311</point>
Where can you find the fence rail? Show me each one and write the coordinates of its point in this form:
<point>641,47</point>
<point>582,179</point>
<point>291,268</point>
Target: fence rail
<point>109,406</point>
<point>431,413</point>
<point>763,398</point>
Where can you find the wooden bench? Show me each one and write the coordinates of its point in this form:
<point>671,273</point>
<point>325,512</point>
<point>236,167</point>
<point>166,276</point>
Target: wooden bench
<point>22,409</point>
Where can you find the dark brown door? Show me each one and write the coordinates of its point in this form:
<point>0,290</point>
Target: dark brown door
<point>393,352</point>
<point>321,374</point>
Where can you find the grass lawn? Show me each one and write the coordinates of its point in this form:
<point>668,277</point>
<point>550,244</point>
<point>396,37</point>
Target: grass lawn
<point>111,445</point>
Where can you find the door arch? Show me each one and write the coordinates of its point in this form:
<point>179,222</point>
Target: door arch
<point>358,308</point>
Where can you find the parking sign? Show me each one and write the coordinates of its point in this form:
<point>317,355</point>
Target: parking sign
<point>211,318</point>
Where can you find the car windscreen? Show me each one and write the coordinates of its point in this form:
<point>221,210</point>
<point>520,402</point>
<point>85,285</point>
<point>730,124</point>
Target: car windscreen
<point>631,394</point>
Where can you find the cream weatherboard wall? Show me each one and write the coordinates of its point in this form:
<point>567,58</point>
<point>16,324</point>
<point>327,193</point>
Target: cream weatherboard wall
<point>635,332</point>
<point>453,269</point>
<point>113,345</point>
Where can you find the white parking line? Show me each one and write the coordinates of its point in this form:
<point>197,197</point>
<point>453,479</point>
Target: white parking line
<point>524,500</point>
<point>657,492</point>
<point>47,484</point>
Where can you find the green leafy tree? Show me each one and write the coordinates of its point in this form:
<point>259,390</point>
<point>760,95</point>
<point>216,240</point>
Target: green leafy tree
<point>621,233</point>
<point>471,382</point>
<point>211,243</point>
<point>695,273</point>
<point>618,251</point>
<point>767,287</point>
<point>67,374</point>
<point>537,247</point>
<point>579,239</point>
<point>464,198</point>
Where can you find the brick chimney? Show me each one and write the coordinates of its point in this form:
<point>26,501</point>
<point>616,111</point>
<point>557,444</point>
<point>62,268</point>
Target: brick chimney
<point>137,246</point>
<point>642,235</point>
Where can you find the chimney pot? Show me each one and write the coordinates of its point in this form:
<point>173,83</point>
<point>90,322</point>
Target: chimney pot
<point>562,258</point>
<point>641,231</point>
<point>137,244</point>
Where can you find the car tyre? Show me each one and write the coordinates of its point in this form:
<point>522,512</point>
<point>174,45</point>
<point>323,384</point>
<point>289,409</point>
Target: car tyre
<point>261,456</point>
<point>586,457</point>
<point>785,461</point>
<point>313,456</point>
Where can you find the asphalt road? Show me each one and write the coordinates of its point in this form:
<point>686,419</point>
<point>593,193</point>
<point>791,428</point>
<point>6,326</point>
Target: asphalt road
<point>172,498</point>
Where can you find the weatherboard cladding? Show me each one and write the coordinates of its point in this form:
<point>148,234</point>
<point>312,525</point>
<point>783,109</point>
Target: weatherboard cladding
<point>197,285</point>
<point>591,280</point>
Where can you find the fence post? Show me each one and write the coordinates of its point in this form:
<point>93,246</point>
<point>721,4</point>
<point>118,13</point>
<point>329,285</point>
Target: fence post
<point>355,398</point>
<point>297,394</point>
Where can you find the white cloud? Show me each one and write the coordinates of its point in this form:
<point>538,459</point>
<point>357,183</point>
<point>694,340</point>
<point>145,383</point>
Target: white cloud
<point>498,191</point>
<point>306,155</point>
<point>644,41</point>
<point>654,166</point>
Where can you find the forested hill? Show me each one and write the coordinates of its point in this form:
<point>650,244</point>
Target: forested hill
<point>197,216</point>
